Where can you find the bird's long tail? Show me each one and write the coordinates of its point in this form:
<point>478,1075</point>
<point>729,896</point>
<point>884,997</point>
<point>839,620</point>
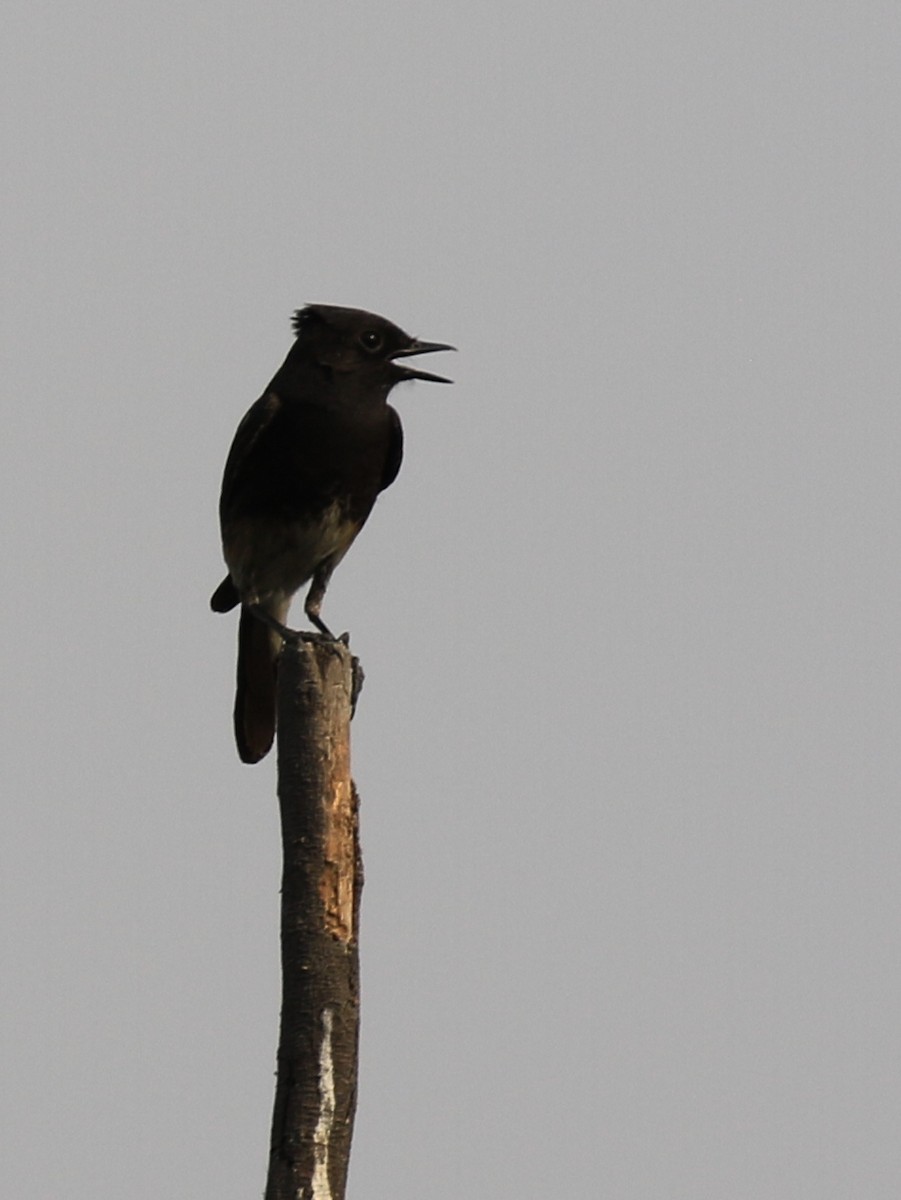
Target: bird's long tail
<point>255,695</point>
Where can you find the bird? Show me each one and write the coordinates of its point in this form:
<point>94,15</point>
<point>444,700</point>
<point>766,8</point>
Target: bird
<point>305,467</point>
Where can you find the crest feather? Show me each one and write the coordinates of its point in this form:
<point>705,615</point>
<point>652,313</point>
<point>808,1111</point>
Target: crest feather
<point>303,318</point>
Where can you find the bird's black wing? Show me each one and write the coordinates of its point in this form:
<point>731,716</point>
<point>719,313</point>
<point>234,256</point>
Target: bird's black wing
<point>255,422</point>
<point>395,451</point>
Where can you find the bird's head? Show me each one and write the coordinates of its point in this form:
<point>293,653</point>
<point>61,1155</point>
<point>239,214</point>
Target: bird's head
<point>349,340</point>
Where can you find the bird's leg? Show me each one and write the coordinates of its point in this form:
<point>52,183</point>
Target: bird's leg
<point>316,594</point>
<point>261,614</point>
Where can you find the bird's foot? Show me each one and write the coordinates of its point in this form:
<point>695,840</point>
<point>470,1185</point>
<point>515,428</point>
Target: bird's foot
<point>316,620</point>
<point>286,634</point>
<point>295,635</point>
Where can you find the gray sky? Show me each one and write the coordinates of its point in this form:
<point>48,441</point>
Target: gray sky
<point>629,742</point>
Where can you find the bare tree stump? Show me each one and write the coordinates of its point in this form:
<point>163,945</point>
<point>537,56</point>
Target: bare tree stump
<point>316,1086</point>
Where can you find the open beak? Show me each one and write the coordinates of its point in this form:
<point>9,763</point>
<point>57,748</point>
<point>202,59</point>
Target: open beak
<point>417,347</point>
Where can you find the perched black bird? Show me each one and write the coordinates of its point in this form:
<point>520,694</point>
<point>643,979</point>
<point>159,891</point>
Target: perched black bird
<point>302,475</point>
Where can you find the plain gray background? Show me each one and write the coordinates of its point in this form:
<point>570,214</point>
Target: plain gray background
<point>629,743</point>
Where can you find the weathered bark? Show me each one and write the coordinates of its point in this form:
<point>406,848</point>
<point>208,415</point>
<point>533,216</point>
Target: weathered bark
<point>316,1086</point>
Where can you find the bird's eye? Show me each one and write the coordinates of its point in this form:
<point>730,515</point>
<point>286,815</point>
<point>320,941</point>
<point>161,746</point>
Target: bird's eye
<point>371,339</point>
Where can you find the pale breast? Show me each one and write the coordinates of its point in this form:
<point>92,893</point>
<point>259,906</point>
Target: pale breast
<point>270,557</point>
